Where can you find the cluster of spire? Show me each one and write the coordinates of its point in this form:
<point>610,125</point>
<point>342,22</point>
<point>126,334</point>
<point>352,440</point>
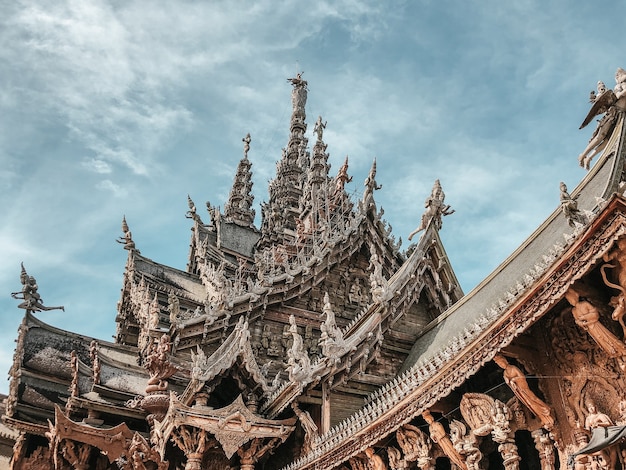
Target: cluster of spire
<point>301,195</point>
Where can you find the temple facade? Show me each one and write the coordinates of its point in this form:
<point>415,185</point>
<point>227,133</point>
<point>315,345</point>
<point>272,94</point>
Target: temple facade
<point>315,342</point>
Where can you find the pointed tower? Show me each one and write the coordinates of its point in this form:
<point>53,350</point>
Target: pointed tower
<point>280,214</point>
<point>315,186</point>
<point>238,209</point>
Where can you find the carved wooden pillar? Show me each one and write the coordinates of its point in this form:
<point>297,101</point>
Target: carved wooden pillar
<point>544,446</point>
<point>325,407</point>
<point>503,435</point>
<point>193,442</point>
<point>254,451</point>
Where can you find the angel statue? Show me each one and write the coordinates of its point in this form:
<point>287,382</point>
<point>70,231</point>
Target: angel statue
<point>32,299</point>
<point>435,209</point>
<point>611,103</point>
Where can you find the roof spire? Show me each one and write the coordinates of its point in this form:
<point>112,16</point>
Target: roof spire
<point>239,206</point>
<point>285,190</point>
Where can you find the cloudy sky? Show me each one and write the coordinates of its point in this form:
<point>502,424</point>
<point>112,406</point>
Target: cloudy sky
<point>113,108</point>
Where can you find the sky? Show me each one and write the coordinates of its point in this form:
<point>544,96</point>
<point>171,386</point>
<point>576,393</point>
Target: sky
<point>123,108</point>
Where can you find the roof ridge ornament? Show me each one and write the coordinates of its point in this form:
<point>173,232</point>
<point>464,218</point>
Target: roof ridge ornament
<point>127,238</point>
<point>30,296</point>
<point>611,103</point>
<point>569,206</point>
<point>435,209</point>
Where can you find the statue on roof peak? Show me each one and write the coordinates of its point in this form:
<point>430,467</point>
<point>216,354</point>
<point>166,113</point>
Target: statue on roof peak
<point>611,103</point>
<point>32,299</point>
<point>127,238</point>
<point>435,209</point>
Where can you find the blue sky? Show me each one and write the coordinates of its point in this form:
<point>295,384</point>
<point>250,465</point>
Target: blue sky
<point>112,108</point>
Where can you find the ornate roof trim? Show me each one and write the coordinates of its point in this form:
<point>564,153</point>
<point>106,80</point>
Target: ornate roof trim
<point>421,386</point>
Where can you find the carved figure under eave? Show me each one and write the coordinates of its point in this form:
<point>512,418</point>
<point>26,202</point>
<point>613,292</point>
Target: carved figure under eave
<point>439,436</point>
<point>587,317</point>
<point>516,380</point>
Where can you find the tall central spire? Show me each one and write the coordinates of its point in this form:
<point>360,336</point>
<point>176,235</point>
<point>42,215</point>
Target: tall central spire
<point>280,214</point>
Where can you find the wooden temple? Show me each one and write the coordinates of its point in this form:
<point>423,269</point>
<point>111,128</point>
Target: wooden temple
<point>314,342</point>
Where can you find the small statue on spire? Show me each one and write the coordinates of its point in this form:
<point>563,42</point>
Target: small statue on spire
<point>246,145</point>
<point>435,209</point>
<point>298,96</point>
<point>127,238</point>
<point>32,299</point>
<point>319,127</point>
<point>342,178</point>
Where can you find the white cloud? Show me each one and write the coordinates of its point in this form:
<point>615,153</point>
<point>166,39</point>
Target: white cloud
<point>97,166</point>
<point>115,189</point>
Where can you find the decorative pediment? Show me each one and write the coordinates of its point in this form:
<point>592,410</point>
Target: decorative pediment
<point>114,442</point>
<point>232,426</point>
<point>236,346</point>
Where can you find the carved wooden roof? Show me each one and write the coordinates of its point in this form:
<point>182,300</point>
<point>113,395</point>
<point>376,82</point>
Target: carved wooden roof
<point>522,289</point>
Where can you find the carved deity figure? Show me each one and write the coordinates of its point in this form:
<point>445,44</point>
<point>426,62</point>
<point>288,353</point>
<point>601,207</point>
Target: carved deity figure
<point>595,418</point>
<point>319,127</point>
<point>298,95</point>
<point>587,317</point>
<point>438,435</point>
<point>159,366</point>
<point>370,186</point>
<point>518,384</point>
<point>246,145</point>
<point>331,338</point>
<point>191,213</point>
<point>127,238</point>
<point>299,364</point>
<point>30,296</point>
<point>375,461</point>
<point>416,446</point>
<point>435,209</point>
<point>342,178</point>
<point>378,284</point>
<point>173,305</point>
<point>569,206</point>
<point>611,104</point>
<point>616,259</point>
<point>605,458</point>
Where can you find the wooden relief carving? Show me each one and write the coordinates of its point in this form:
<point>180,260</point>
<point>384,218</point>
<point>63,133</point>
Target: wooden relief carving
<point>396,461</point>
<point>466,444</point>
<point>516,380</point>
<point>477,410</point>
<point>616,261</point>
<point>375,461</point>
<point>438,435</point>
<point>416,446</point>
<point>587,316</point>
